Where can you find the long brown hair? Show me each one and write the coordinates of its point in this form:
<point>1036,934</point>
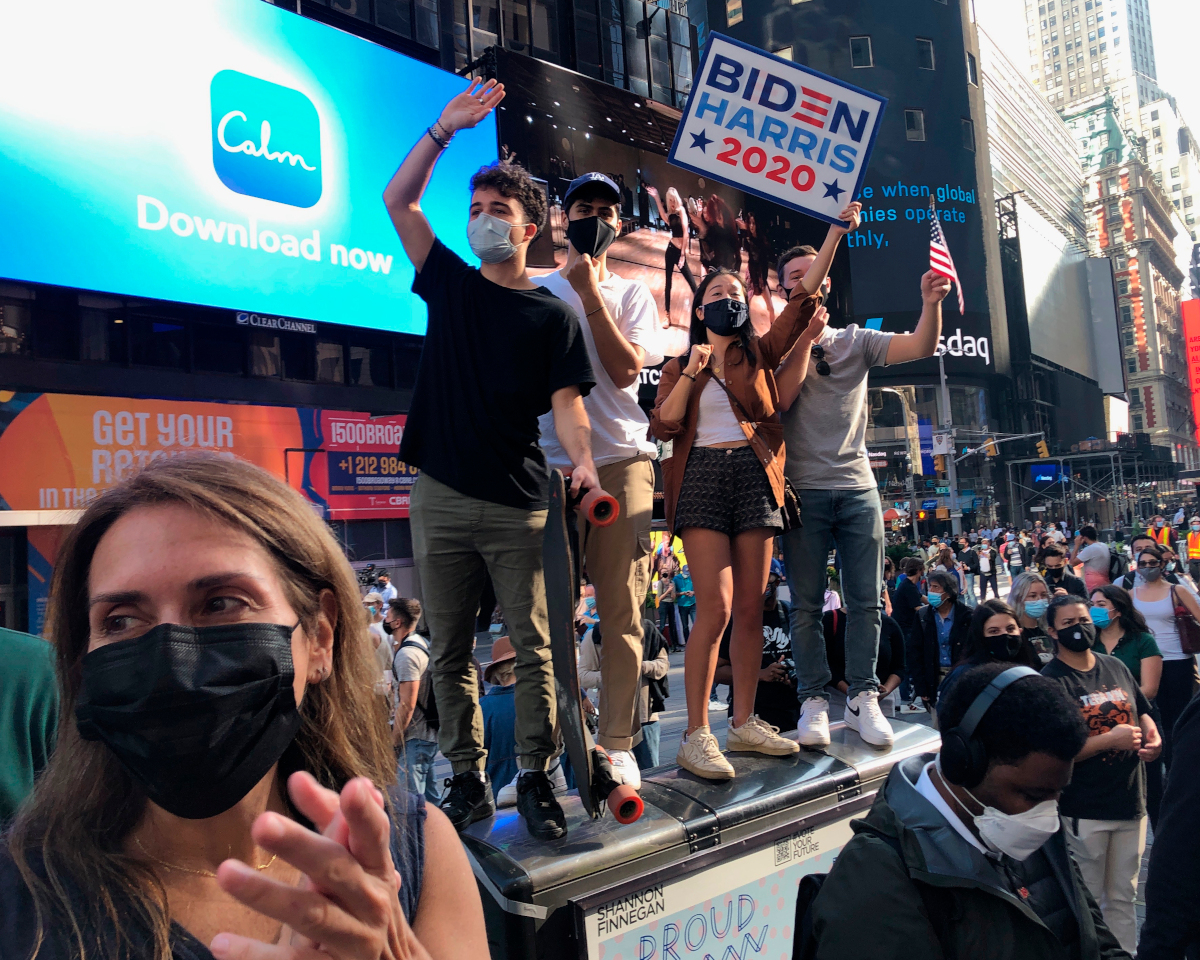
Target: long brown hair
<point>69,834</point>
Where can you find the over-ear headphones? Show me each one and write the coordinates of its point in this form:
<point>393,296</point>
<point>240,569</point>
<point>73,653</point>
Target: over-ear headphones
<point>964,760</point>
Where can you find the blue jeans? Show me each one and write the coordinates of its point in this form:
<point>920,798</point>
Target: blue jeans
<point>418,769</point>
<point>646,752</point>
<point>851,520</point>
<point>969,597</point>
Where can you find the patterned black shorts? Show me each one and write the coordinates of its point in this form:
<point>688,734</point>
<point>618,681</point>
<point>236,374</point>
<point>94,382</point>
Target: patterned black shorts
<point>726,490</point>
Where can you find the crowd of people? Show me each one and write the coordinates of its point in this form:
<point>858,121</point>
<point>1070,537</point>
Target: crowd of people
<point>239,759</point>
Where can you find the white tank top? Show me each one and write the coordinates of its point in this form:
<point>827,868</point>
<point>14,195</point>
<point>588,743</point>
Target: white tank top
<point>715,422</point>
<point>1160,618</point>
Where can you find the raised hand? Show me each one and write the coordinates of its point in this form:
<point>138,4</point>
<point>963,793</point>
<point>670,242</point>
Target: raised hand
<point>934,287</point>
<point>816,323</point>
<point>698,359</point>
<point>852,216</point>
<point>466,110</point>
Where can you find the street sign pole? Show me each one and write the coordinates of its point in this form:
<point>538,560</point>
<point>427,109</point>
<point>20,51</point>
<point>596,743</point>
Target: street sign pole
<point>951,469</point>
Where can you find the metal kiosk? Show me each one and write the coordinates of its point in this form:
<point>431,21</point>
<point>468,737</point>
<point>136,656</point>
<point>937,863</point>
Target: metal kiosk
<point>710,869</point>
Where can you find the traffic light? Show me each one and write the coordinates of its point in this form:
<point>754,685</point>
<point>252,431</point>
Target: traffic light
<point>920,514</point>
<point>989,446</point>
<point>1043,450</point>
<point>939,462</point>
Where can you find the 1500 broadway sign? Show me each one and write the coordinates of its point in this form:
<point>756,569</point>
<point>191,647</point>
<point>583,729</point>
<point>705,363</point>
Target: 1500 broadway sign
<point>227,153</point>
<point>777,129</point>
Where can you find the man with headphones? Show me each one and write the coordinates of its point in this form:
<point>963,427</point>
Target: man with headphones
<point>962,854</point>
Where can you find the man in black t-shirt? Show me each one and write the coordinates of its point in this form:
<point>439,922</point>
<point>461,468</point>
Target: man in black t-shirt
<point>499,352</point>
<point>1104,806</point>
<point>775,699</point>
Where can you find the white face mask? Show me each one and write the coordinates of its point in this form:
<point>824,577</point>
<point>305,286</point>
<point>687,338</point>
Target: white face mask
<point>491,238</point>
<point>1016,835</point>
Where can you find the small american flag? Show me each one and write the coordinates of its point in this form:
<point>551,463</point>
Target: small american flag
<point>940,260</point>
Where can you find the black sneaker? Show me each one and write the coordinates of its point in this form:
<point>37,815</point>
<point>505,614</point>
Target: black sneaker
<point>536,803</point>
<point>468,798</point>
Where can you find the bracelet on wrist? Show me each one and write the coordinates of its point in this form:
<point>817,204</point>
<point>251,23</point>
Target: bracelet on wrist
<point>597,310</point>
<point>446,131</point>
<point>690,376</point>
<point>442,142</point>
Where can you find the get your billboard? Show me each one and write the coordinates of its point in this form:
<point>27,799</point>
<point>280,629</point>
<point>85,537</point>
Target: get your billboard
<point>226,153</point>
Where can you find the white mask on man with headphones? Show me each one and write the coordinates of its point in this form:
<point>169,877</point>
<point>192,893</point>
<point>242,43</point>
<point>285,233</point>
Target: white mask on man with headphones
<point>1016,835</point>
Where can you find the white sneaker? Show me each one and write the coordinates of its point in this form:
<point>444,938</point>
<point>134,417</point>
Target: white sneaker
<point>758,736</point>
<point>625,767</point>
<point>863,714</point>
<point>814,723</point>
<point>716,706</point>
<point>507,797</point>
<point>701,754</point>
<point>914,707</point>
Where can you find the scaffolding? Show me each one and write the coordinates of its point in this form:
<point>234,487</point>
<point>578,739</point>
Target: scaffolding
<point>1103,486</point>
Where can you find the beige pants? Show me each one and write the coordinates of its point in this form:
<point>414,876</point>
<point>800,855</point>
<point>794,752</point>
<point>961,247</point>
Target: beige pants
<point>617,560</point>
<point>1109,855</point>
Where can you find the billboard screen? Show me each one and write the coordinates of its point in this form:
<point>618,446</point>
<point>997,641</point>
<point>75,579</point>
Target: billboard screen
<point>226,153</point>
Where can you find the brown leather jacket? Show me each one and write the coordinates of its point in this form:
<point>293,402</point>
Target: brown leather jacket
<point>753,383</point>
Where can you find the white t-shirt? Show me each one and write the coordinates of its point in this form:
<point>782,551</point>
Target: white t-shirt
<point>1095,557</point>
<point>619,427</point>
<point>716,422</point>
<point>985,563</point>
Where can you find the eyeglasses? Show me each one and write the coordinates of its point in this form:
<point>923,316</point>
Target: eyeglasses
<point>1148,564</point>
<point>818,354</point>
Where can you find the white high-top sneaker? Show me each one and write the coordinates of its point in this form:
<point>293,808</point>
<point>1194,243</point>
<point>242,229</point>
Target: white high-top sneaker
<point>814,723</point>
<point>863,714</point>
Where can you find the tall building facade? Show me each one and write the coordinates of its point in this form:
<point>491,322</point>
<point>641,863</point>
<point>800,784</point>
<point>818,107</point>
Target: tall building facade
<point>1079,49</point>
<point>1132,220</point>
<point>1174,156</point>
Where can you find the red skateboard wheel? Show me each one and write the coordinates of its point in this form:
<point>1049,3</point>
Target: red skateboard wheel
<point>625,803</point>
<point>600,508</point>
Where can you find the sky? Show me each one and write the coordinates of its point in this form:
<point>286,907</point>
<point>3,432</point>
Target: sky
<point>1175,25</point>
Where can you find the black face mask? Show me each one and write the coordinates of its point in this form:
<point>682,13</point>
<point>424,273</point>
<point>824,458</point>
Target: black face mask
<point>1004,646</point>
<point>388,628</point>
<point>591,235</point>
<point>724,317</point>
<point>1054,573</point>
<point>196,715</point>
<point>1078,637</point>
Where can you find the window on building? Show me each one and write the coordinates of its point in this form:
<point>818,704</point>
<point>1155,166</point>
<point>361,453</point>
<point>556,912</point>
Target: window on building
<point>972,69</point>
<point>1092,35</point>
<point>1054,52</point>
<point>1131,364</point>
<point>157,343</point>
<point>1176,203</point>
<point>914,124</point>
<point>1175,187</point>
<point>265,360</point>
<point>860,51</point>
<point>1153,114</point>
<point>1092,51</point>
<point>1175,171</point>
<point>784,53</point>
<point>1123,287</point>
<point>218,349</point>
<point>1127,338</point>
<point>1058,68</point>
<point>1187,201</point>
<point>298,356</point>
<point>1126,314</point>
<point>1110,185</point>
<point>1137,417</point>
<point>1158,148</point>
<point>968,135</point>
<point>733,12</point>
<point>1100,33</point>
<point>370,364</point>
<point>925,54</point>
<point>330,366</point>
<point>1095,68</point>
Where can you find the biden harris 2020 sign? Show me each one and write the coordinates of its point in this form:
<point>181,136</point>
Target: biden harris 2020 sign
<point>225,152</point>
<point>777,129</point>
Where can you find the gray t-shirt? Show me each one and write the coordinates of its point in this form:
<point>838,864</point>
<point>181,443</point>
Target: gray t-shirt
<point>826,428</point>
<point>409,664</point>
<point>1095,557</point>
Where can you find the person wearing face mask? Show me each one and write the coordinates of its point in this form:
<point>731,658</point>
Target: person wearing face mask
<point>1104,807</point>
<point>989,565</point>
<point>938,636</point>
<point>223,783</point>
<point>1156,598</point>
<point>1029,597</point>
<point>1160,531</point>
<point>1015,552</point>
<point>415,719</point>
<point>823,391</point>
<point>1191,545</point>
<point>723,485</point>
<point>962,854</point>
<point>619,321</point>
<point>1058,578</point>
<point>499,352</point>
<point>373,605</point>
<point>994,636</point>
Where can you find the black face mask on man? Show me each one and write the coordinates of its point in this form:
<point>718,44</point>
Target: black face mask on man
<point>591,235</point>
<point>196,715</point>
<point>1078,637</point>
<point>725,317</point>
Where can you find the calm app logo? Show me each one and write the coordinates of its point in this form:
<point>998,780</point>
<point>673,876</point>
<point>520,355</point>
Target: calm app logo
<point>266,139</point>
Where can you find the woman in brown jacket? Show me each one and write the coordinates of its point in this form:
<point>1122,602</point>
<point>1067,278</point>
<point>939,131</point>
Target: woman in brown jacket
<point>722,461</point>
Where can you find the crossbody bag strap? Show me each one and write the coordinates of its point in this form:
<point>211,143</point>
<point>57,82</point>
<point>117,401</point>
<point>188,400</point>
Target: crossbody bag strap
<point>749,419</point>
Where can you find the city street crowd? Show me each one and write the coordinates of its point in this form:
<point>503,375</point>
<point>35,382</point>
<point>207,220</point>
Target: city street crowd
<point>229,748</point>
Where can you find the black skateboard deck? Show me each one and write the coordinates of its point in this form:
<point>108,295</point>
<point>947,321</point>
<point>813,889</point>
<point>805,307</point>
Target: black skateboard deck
<point>593,774</point>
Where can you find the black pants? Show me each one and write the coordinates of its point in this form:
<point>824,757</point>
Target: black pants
<point>984,580</point>
<point>1194,570</point>
<point>675,256</point>
<point>1178,685</point>
<point>1154,774</point>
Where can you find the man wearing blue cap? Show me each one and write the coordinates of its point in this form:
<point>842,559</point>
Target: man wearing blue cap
<point>775,698</point>
<point>619,319</point>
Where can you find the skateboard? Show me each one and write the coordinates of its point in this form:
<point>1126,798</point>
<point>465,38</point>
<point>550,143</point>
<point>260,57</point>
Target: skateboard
<point>597,784</point>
